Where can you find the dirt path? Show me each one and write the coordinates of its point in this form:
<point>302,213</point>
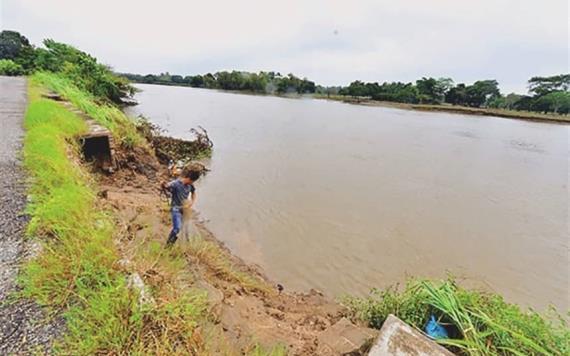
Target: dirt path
<point>23,325</point>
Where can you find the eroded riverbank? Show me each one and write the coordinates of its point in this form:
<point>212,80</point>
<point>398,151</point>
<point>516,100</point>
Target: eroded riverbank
<point>345,198</point>
<point>123,291</point>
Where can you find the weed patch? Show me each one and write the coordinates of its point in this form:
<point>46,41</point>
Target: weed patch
<point>486,324</point>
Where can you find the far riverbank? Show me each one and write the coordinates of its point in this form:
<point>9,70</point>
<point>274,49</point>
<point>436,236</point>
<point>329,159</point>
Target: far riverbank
<point>454,109</point>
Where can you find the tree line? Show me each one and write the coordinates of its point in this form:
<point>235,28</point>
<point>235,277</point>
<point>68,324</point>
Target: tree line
<point>546,94</point>
<point>19,57</point>
<point>262,82</point>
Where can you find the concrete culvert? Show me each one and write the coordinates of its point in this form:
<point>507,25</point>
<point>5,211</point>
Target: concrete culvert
<point>96,147</point>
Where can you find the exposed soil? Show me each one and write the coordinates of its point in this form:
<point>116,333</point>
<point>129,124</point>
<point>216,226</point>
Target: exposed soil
<point>242,316</point>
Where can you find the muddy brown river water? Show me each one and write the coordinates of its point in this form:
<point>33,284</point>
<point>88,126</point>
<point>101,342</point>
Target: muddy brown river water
<point>344,198</point>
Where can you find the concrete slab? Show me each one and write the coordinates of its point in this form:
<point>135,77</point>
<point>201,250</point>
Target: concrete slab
<point>345,338</point>
<point>399,339</point>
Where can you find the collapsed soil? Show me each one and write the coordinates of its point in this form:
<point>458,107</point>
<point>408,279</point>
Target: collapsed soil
<point>243,317</point>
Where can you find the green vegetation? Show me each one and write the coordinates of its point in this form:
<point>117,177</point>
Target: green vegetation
<point>10,68</point>
<point>108,115</point>
<point>262,82</point>
<point>17,48</point>
<point>70,63</point>
<point>549,94</point>
<point>483,323</point>
<point>76,270</point>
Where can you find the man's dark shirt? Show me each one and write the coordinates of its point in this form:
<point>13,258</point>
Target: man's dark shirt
<point>180,192</point>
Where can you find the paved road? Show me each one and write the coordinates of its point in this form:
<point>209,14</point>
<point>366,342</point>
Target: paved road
<point>23,325</point>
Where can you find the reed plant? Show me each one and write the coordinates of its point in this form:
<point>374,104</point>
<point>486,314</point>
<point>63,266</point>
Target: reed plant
<point>479,323</point>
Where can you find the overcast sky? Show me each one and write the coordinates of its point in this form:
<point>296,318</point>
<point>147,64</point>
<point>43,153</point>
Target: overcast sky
<point>330,42</point>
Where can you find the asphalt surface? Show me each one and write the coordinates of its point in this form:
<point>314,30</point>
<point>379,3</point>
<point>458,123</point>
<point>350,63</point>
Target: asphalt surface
<point>24,327</point>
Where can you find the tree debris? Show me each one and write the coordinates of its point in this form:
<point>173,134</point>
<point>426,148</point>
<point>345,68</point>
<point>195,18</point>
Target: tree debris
<point>168,149</point>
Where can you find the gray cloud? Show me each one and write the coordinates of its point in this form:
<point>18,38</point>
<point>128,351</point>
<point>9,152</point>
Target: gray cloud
<point>331,42</point>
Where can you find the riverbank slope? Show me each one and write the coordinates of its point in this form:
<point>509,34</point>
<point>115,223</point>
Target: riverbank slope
<point>103,261</point>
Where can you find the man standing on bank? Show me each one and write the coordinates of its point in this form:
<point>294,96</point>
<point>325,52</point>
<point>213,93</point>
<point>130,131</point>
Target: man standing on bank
<point>183,197</point>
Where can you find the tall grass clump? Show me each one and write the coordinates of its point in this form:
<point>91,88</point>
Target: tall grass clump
<point>215,258</point>
<point>479,323</point>
<point>75,271</point>
<point>108,115</point>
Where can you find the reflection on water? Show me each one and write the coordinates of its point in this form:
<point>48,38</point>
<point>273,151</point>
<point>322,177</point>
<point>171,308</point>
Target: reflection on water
<point>344,198</point>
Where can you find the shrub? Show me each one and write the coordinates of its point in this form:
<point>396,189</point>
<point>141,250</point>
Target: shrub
<point>9,67</point>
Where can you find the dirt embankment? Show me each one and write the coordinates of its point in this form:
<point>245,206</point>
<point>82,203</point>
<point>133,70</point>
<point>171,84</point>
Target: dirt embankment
<point>246,308</point>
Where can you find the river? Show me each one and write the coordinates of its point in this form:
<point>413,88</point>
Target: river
<point>344,198</point>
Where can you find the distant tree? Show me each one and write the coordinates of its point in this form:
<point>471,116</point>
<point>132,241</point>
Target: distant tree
<point>17,48</point>
<point>525,103</point>
<point>197,81</point>
<point>442,87</point>
<point>356,88</point>
<point>210,81</point>
<point>164,77</point>
<point>457,95</point>
<point>481,92</point>
<point>543,85</point>
<point>188,79</point>
<point>429,92</point>
<point>149,78</point>
<point>508,102</point>
<point>556,102</point>
<point>396,92</point>
<point>306,86</point>
<point>178,79</point>
<point>256,82</point>
<point>11,44</point>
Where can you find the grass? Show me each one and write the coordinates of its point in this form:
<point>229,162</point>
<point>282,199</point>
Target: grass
<point>216,259</point>
<point>75,271</point>
<point>480,323</point>
<point>123,128</point>
<point>258,350</point>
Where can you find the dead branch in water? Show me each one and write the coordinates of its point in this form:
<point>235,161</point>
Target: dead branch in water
<point>169,149</point>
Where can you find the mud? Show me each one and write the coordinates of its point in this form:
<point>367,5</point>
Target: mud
<point>242,317</point>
